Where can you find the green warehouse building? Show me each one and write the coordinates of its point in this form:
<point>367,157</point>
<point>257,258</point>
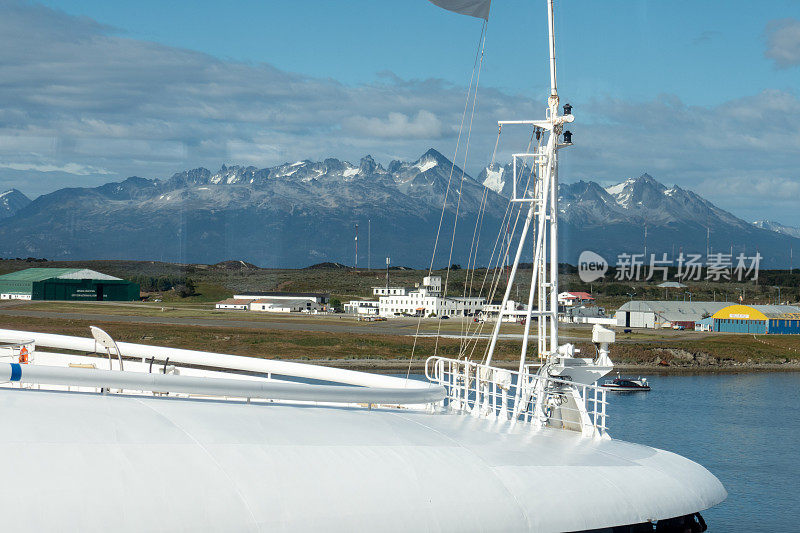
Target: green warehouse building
<point>66,284</point>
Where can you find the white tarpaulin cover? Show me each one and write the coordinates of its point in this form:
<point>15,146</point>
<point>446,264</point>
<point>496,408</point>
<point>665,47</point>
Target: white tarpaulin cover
<point>473,8</point>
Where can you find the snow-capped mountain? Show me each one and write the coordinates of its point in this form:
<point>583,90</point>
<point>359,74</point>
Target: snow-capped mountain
<point>292,214</point>
<point>641,200</point>
<point>613,219</point>
<point>304,212</point>
<point>771,225</point>
<point>11,202</point>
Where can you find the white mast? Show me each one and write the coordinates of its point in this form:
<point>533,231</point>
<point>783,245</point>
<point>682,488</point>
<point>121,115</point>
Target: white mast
<point>543,206</point>
<point>552,34</point>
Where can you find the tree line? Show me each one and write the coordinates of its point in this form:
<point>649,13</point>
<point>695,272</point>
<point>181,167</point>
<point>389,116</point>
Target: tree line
<point>183,285</point>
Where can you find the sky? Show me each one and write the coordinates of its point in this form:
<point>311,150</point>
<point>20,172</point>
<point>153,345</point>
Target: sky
<point>699,94</point>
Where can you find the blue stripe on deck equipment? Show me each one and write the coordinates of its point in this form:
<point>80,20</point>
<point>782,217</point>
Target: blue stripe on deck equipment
<point>16,372</point>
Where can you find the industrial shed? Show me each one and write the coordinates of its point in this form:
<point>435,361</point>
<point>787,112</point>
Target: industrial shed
<point>66,284</point>
<point>758,319</point>
<point>665,314</point>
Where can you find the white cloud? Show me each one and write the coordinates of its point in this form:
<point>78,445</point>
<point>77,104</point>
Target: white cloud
<point>783,42</point>
<point>81,95</point>
<point>68,168</point>
<point>424,125</point>
<point>81,101</point>
<point>741,155</point>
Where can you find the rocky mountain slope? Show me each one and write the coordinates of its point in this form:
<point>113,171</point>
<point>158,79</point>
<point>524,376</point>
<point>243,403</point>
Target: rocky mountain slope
<point>771,225</point>
<point>11,202</point>
<point>304,212</point>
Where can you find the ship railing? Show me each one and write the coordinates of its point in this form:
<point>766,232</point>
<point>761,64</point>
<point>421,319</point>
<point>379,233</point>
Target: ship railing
<point>219,374</point>
<point>542,401</point>
<point>17,351</point>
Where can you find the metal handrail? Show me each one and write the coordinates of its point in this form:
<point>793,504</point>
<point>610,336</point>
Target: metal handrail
<point>223,387</point>
<point>487,391</point>
<point>15,348</point>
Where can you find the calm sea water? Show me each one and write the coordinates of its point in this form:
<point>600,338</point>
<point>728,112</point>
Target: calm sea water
<point>744,428</point>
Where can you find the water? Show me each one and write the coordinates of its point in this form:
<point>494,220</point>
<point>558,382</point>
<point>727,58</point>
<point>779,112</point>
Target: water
<point>744,428</point>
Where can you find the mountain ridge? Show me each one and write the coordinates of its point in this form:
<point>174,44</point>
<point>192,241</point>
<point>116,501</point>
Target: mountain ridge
<point>300,213</point>
<point>772,225</point>
<point>11,202</point>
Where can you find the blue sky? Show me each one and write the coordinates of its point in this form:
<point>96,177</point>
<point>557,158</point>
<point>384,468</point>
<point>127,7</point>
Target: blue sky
<point>702,94</point>
<point>704,52</point>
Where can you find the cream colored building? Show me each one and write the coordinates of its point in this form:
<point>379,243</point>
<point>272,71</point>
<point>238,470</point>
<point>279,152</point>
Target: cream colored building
<point>426,300</point>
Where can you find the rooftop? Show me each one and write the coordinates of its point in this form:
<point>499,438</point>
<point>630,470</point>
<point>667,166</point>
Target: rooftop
<point>41,274</point>
<point>580,295</point>
<point>279,302</point>
<point>285,294</point>
<point>675,311</point>
<point>234,301</point>
<point>759,312</point>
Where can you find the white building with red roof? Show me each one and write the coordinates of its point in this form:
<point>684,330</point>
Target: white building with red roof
<point>571,299</point>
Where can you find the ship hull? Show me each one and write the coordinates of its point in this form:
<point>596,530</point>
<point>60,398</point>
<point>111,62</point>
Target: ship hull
<point>90,462</point>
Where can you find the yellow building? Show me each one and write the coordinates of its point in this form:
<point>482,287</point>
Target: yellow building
<point>758,319</point>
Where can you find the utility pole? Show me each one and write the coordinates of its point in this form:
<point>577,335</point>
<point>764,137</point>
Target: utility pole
<point>369,244</point>
<point>645,242</point>
<point>387,274</point>
<point>356,247</point>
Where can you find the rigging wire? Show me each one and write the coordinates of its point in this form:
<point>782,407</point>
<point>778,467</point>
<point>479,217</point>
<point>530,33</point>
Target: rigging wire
<point>477,64</point>
<point>472,260</point>
<point>505,248</point>
<point>460,191</point>
<point>497,277</point>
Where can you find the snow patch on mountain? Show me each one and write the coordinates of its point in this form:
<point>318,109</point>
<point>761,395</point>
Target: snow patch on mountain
<point>427,165</point>
<point>494,179</point>
<point>777,227</point>
<point>614,190</point>
<point>11,202</point>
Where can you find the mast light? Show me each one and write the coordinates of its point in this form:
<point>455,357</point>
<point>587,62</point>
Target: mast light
<point>567,137</point>
<point>567,109</point>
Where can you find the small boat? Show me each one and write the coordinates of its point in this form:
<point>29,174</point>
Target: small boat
<point>621,384</point>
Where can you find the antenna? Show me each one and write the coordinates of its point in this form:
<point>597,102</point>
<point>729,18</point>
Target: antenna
<point>552,32</point>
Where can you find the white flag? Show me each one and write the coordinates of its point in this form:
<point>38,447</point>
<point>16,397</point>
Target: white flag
<point>473,8</point>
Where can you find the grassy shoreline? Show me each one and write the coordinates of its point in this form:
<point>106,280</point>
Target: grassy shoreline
<point>363,349</point>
